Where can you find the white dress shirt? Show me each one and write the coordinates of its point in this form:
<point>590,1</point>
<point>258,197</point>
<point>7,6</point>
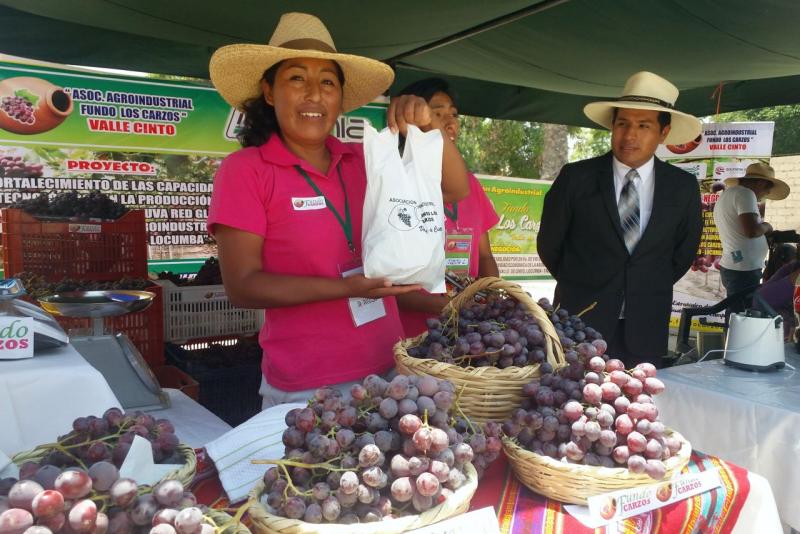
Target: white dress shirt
<point>645,185</point>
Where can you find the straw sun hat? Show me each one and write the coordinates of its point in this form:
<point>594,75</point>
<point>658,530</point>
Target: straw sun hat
<point>645,90</point>
<point>236,70</point>
<point>762,171</point>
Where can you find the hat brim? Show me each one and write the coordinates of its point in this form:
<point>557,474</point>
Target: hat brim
<point>683,128</point>
<point>779,191</point>
<point>236,72</point>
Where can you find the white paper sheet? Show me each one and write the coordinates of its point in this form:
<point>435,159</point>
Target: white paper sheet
<point>139,464</point>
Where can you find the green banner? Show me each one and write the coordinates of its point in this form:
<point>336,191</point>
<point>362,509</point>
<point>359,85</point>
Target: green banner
<point>101,112</point>
<point>518,202</point>
<point>148,143</point>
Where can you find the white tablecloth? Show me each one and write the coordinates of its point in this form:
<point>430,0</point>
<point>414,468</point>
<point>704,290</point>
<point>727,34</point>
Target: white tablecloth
<point>44,394</point>
<point>41,396</point>
<point>194,424</point>
<point>751,419</point>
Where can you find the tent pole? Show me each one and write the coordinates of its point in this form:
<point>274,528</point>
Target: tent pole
<point>475,30</point>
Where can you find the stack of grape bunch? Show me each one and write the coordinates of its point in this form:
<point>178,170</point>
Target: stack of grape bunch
<point>15,166</point>
<point>95,502</point>
<point>94,205</point>
<point>705,262</point>
<point>494,331</point>
<point>571,328</point>
<point>208,274</point>
<point>107,438</point>
<point>37,286</point>
<point>390,451</point>
<point>76,486</point>
<point>595,412</point>
<point>221,355</point>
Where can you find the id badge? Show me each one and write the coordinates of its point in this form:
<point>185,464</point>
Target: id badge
<point>362,310</point>
<point>457,252</point>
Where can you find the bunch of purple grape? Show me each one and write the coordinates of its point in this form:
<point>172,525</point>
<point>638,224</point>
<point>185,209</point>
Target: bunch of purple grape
<point>495,330</point>
<point>15,166</point>
<point>595,412</point>
<point>705,262</point>
<point>95,502</point>
<point>18,108</point>
<point>108,438</point>
<point>394,448</point>
<point>92,205</point>
<point>571,328</point>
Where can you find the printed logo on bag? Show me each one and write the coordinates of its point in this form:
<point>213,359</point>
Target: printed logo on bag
<point>430,218</point>
<point>403,216</point>
<point>308,203</point>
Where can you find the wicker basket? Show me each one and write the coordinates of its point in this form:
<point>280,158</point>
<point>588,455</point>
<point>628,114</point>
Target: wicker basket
<point>185,474</point>
<point>489,393</point>
<point>224,522</point>
<point>574,483</point>
<point>266,523</point>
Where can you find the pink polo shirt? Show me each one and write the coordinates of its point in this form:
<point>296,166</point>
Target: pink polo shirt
<point>258,190</point>
<point>476,216</point>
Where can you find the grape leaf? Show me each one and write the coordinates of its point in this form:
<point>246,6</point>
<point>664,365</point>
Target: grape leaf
<point>27,95</point>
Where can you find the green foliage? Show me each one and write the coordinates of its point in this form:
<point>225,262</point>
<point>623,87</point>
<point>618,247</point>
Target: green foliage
<point>787,125</point>
<point>500,147</point>
<point>588,142</point>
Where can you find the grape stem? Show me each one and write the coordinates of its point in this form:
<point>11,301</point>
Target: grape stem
<point>587,309</point>
<point>293,463</point>
<point>63,448</point>
<point>488,354</point>
<point>213,523</point>
<point>457,405</point>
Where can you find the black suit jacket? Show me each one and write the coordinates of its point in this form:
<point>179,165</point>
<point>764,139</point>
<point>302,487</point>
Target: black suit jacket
<point>581,243</point>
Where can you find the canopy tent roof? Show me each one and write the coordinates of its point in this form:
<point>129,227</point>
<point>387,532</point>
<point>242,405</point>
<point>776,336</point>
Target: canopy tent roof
<point>538,60</point>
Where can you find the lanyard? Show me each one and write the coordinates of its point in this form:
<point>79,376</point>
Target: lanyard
<point>452,215</point>
<point>346,223</point>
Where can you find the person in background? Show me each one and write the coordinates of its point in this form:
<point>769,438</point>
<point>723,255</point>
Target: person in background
<point>467,222</point>
<point>778,292</point>
<point>743,232</point>
<point>619,230</point>
<point>286,211</point>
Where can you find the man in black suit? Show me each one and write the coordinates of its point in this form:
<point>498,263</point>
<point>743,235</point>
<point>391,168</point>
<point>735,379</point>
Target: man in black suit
<point>622,228</point>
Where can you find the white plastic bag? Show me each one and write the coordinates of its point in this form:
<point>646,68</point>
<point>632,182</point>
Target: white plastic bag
<point>403,231</point>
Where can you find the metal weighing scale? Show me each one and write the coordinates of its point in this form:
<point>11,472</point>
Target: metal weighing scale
<point>113,354</point>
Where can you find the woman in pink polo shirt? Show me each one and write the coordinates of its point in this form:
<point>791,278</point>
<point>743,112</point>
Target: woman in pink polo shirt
<point>467,222</point>
<point>286,209</point>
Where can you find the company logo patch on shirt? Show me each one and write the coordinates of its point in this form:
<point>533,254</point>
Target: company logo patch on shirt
<point>308,203</point>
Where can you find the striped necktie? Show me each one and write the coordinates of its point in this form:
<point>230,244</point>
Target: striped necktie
<point>629,210</point>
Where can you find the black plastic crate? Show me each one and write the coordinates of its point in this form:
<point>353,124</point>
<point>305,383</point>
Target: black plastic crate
<point>229,391</point>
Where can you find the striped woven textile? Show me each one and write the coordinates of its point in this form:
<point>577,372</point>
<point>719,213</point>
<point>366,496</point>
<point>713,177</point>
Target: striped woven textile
<point>521,511</point>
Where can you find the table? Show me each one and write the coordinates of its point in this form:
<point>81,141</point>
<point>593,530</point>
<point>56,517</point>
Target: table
<point>42,395</point>
<point>744,504</point>
<point>193,423</point>
<point>751,419</point>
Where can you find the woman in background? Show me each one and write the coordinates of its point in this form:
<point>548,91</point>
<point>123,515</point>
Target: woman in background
<point>467,222</point>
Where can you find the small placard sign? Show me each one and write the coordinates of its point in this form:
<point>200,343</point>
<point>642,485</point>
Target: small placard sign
<point>16,338</point>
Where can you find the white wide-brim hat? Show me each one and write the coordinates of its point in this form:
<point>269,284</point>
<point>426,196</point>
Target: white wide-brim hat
<point>762,171</point>
<point>236,70</point>
<point>645,90</point>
